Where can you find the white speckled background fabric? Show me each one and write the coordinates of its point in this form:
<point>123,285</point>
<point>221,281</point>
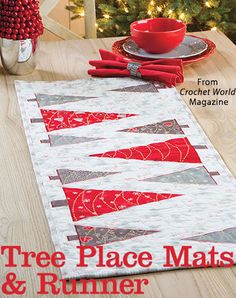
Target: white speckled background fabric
<point>201,209</point>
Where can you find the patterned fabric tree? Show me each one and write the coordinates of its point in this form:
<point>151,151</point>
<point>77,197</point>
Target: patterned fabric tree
<point>176,150</point>
<point>67,176</point>
<point>50,100</point>
<point>93,236</point>
<point>20,20</point>
<point>164,127</point>
<point>62,140</point>
<point>85,203</point>
<point>197,175</point>
<point>57,120</point>
<point>145,88</point>
<point>224,236</point>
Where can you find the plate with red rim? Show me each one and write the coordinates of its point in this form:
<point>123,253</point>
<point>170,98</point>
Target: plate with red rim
<point>189,47</point>
<point>118,49</point>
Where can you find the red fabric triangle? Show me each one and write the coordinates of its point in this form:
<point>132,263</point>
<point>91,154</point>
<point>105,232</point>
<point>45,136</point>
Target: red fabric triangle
<point>176,150</point>
<point>56,120</point>
<point>86,203</point>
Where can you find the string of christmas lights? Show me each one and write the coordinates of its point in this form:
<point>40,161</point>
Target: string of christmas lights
<point>114,16</point>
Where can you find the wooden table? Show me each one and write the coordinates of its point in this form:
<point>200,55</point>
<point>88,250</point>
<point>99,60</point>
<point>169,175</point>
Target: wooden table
<point>22,219</point>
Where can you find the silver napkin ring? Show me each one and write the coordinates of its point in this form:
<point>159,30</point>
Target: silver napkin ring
<point>133,67</point>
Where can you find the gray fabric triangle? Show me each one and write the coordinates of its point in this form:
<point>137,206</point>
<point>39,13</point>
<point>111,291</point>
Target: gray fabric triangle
<point>224,236</point>
<point>142,88</point>
<point>60,140</point>
<point>71,176</point>
<point>94,236</point>
<point>49,100</point>
<point>164,127</point>
<point>191,176</point>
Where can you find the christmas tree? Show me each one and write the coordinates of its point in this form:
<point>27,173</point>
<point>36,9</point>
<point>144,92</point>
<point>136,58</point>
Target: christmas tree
<point>58,119</point>
<point>93,236</point>
<point>224,236</point>
<point>174,150</point>
<point>85,203</point>
<point>114,16</point>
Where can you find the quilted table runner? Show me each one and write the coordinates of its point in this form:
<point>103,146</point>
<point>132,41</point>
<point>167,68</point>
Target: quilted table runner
<point>122,164</point>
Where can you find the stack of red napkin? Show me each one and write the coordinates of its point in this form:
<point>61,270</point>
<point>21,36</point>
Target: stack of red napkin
<point>168,71</point>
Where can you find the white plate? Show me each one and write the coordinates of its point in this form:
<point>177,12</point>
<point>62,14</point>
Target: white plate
<point>190,46</point>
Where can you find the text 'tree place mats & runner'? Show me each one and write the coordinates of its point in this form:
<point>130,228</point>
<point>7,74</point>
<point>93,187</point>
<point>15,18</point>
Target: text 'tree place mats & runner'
<point>122,164</point>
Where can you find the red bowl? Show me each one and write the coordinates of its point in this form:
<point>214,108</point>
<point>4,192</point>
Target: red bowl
<point>160,35</point>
